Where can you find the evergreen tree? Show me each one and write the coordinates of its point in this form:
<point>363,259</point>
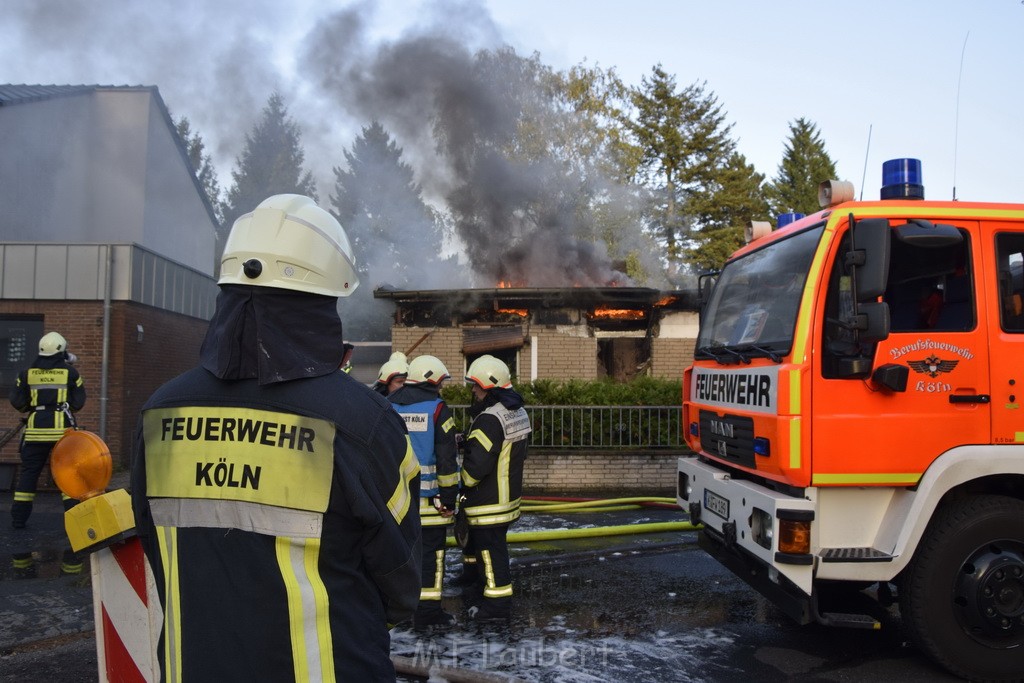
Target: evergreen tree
<point>805,164</point>
<point>397,238</point>
<point>684,141</point>
<point>202,166</point>
<point>380,204</point>
<point>270,164</point>
<point>734,198</point>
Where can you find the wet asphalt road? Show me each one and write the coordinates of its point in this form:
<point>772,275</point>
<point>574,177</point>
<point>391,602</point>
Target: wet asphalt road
<point>627,608</point>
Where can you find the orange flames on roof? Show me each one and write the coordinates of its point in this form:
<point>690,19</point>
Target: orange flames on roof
<point>617,313</point>
<point>522,312</point>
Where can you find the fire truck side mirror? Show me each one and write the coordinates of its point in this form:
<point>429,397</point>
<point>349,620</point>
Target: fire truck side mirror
<point>870,257</point>
<point>891,376</point>
<point>872,322</point>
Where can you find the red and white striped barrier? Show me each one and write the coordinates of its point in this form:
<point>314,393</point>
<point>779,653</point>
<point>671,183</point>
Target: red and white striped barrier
<point>127,614</point>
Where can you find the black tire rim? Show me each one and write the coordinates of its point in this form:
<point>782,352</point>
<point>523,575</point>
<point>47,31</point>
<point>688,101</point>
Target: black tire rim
<point>989,594</point>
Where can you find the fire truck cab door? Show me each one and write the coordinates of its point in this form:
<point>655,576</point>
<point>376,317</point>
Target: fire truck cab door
<point>938,331</point>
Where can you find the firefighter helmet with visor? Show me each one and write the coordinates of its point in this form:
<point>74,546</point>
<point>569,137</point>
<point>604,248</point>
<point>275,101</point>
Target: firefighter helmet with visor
<point>291,243</point>
<point>427,369</point>
<point>51,344</point>
<point>396,365</point>
<point>489,372</point>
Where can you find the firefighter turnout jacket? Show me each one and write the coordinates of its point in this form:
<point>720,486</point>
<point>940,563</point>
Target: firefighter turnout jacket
<point>492,468</point>
<point>43,390</point>
<point>279,517</point>
<point>432,432</point>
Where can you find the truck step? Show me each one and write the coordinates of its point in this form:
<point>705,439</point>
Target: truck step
<point>853,555</point>
<point>849,620</point>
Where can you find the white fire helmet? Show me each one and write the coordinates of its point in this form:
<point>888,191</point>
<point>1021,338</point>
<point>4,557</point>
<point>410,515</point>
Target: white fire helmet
<point>395,365</point>
<point>427,369</point>
<point>51,344</point>
<point>488,372</point>
<point>291,243</point>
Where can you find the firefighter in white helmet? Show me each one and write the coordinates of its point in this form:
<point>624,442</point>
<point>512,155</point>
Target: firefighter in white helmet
<point>50,390</point>
<point>274,494</point>
<point>392,374</point>
<point>492,480</point>
<point>432,430</point>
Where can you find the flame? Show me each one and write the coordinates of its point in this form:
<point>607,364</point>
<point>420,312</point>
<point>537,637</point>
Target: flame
<point>508,284</point>
<point>522,312</point>
<point>617,313</point>
<point>664,301</point>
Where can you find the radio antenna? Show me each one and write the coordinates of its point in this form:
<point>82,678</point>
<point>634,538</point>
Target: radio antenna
<point>864,175</point>
<point>956,123</point>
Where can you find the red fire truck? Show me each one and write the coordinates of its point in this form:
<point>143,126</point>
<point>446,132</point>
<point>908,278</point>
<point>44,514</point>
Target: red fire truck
<point>855,412</point>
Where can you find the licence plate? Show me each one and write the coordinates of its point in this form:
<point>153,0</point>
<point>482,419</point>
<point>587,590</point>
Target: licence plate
<point>716,504</point>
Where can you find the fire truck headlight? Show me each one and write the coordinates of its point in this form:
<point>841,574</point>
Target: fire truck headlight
<point>761,528</point>
<point>795,536</point>
<point>762,446</point>
<point>694,429</point>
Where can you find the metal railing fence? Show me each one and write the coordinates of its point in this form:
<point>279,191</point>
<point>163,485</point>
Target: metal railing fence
<point>590,427</point>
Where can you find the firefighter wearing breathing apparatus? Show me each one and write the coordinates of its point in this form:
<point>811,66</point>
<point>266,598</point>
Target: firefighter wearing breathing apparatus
<point>492,479</point>
<point>432,431</point>
<point>49,391</point>
<point>392,374</point>
<point>275,495</point>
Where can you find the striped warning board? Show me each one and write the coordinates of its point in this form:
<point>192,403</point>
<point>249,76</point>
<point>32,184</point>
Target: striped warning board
<point>127,614</point>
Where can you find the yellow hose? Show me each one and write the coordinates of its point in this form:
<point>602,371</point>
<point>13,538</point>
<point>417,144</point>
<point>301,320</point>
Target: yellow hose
<point>603,505</point>
<point>594,532</point>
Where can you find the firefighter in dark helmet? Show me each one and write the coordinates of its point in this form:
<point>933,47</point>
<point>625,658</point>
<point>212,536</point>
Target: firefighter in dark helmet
<point>492,480</point>
<point>275,495</point>
<point>432,430</point>
<point>49,391</point>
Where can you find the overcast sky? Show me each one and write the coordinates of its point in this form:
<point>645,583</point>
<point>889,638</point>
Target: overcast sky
<point>892,68</point>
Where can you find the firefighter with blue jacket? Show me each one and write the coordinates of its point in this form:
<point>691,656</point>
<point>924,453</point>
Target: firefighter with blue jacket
<point>492,480</point>
<point>49,391</point>
<point>432,431</point>
<point>275,495</point>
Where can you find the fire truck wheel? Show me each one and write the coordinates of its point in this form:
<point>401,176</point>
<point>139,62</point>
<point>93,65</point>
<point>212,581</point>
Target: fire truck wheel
<point>962,597</point>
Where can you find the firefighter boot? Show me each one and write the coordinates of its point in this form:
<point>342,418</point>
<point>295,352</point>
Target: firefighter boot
<point>431,614</point>
<point>24,565</point>
<point>491,609</point>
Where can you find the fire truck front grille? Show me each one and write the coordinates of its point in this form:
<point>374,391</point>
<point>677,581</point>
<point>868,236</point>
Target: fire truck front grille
<point>730,437</point>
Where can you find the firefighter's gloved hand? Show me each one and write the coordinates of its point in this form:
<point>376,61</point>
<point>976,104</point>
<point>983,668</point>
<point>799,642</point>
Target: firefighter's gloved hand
<point>448,496</point>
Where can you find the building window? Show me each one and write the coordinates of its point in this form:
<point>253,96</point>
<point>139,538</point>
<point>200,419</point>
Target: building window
<point>19,344</point>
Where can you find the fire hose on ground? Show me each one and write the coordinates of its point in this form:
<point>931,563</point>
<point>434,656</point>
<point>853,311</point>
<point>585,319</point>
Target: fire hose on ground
<point>546,504</point>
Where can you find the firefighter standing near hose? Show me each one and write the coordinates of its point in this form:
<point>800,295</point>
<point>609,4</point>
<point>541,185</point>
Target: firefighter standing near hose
<point>492,479</point>
<point>432,431</point>
<point>275,495</point>
<point>49,391</point>
<point>392,374</point>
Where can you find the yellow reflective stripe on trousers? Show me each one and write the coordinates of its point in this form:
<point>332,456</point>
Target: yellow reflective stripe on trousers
<point>168,539</point>
<point>308,615</point>
<point>490,589</point>
<point>23,497</point>
<point>434,592</point>
<point>504,460</point>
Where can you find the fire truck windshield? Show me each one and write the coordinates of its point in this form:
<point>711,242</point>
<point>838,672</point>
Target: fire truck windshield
<point>752,310</point>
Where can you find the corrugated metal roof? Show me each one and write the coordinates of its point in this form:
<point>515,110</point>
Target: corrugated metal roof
<point>18,94</point>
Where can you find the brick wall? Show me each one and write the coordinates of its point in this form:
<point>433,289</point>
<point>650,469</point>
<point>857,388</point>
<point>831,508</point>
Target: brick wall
<point>582,473</point>
<point>444,342</point>
<point>169,346</point>
<point>669,357</point>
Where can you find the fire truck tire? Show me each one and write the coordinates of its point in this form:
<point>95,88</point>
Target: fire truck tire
<point>962,596</point>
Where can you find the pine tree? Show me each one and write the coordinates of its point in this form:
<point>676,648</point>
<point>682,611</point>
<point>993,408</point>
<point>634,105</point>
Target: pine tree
<point>805,164</point>
<point>380,204</point>
<point>202,165</point>
<point>397,238</point>
<point>684,140</point>
<point>270,164</point>
<point>734,198</point>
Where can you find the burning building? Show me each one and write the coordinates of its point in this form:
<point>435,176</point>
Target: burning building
<point>550,333</point>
